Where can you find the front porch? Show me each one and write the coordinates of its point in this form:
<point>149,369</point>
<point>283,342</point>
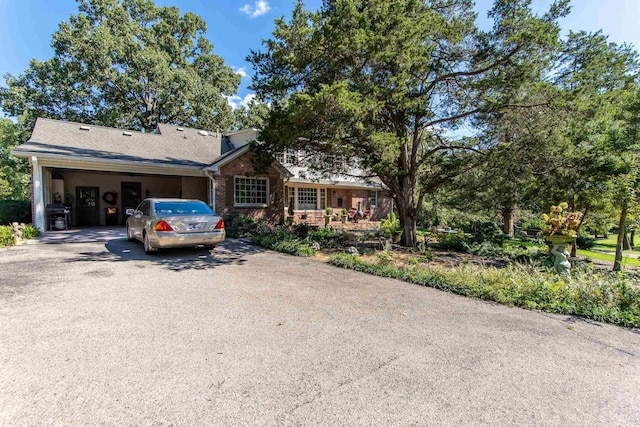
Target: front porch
<point>310,202</point>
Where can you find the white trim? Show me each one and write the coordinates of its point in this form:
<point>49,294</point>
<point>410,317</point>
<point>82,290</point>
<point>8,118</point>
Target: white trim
<point>251,205</point>
<point>241,131</point>
<point>215,166</point>
<point>115,165</point>
<point>38,194</point>
<point>333,184</point>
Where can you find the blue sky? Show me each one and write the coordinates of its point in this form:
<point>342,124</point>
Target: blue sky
<point>236,26</point>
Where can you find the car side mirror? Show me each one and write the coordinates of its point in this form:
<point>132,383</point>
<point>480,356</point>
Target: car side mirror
<point>130,211</point>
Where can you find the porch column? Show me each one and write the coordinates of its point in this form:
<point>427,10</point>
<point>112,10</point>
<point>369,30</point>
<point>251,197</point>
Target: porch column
<point>212,193</point>
<point>38,194</point>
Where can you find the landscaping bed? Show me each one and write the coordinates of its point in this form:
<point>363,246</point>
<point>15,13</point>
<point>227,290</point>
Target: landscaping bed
<point>512,273</point>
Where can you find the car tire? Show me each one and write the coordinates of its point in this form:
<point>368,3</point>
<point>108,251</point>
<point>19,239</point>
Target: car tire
<point>129,235</point>
<point>148,249</point>
<point>210,247</point>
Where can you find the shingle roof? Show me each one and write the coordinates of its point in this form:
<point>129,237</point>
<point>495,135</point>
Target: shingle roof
<point>169,145</point>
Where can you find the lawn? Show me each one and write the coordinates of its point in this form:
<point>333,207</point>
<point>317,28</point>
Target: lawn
<point>608,245</point>
<point>626,261</point>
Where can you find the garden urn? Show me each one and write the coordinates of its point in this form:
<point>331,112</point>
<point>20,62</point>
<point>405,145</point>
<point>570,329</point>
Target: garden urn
<point>559,245</point>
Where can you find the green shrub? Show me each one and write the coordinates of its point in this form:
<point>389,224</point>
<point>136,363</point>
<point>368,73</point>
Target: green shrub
<point>454,241</point>
<point>293,247</point>
<point>486,230</point>
<point>385,258</point>
<point>15,211</point>
<point>500,238</point>
<point>390,226</point>
<point>533,223</point>
<point>232,231</point>
<point>584,241</point>
<point>326,237</point>
<point>238,225</point>
<point>490,250</point>
<point>6,235</point>
<point>280,238</point>
<point>613,298</point>
<point>301,229</point>
<point>30,231</point>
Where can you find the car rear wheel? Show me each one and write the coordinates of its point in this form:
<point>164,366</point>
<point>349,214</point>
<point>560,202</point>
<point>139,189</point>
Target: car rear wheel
<point>148,249</point>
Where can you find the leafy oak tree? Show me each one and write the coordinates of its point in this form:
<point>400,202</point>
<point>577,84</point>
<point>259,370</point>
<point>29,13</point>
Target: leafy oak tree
<point>380,82</point>
<point>14,172</point>
<point>126,63</point>
<point>251,116</point>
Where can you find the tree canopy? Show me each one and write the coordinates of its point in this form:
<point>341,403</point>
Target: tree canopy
<point>14,172</point>
<point>130,64</point>
<point>382,81</point>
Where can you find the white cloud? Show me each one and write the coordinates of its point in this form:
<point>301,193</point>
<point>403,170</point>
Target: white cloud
<point>237,101</point>
<point>241,71</point>
<point>260,7</point>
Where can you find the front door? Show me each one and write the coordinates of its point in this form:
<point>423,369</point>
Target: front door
<point>131,196</point>
<point>87,206</point>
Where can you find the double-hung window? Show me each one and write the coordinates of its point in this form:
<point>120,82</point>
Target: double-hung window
<point>250,191</point>
<point>373,199</point>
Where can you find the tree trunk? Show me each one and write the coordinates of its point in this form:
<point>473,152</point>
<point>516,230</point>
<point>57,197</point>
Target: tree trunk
<point>508,214</point>
<point>617,265</point>
<point>632,237</point>
<point>407,216</point>
<point>626,245</point>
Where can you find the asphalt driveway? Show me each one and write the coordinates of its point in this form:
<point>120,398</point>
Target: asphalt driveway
<point>102,334</point>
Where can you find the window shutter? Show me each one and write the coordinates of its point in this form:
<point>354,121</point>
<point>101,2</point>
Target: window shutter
<point>229,191</point>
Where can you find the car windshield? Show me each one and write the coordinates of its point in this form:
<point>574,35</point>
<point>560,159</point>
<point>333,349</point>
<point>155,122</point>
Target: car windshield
<point>182,208</point>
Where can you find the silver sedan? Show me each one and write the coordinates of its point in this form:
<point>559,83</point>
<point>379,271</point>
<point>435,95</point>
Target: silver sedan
<point>174,223</point>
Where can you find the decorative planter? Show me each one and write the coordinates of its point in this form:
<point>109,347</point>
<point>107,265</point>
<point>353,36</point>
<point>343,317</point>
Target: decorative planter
<point>559,250</point>
<point>327,220</point>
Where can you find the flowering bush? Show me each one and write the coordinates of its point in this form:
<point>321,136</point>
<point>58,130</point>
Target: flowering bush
<point>560,222</point>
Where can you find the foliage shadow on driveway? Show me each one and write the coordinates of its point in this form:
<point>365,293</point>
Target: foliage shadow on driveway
<point>231,252</point>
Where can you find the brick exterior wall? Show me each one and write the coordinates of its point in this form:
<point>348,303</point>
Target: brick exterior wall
<point>242,166</point>
<point>383,209</point>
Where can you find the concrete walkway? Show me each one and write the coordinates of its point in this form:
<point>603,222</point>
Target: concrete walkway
<point>81,235</point>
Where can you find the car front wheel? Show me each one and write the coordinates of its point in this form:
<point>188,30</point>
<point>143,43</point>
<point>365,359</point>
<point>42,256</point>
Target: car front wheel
<point>130,234</point>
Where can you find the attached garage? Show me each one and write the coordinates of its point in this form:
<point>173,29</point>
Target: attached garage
<point>96,173</point>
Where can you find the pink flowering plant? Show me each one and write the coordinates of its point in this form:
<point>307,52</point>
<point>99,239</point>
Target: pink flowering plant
<point>561,222</point>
